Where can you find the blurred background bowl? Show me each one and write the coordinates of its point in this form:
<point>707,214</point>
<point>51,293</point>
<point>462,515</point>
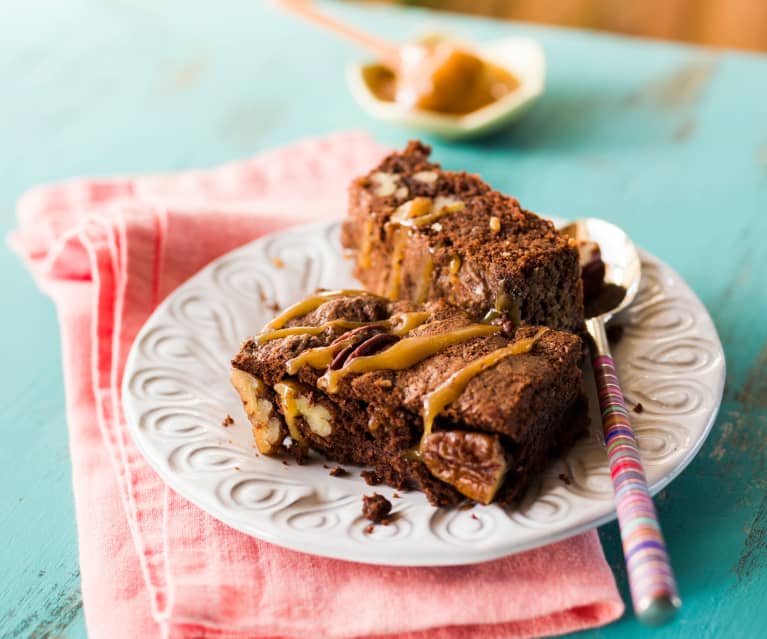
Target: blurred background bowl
<point>523,57</point>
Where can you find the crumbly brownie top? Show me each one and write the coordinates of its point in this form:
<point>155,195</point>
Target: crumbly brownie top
<point>490,225</point>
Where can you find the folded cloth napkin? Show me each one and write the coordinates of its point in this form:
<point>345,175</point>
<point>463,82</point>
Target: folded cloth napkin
<point>154,565</point>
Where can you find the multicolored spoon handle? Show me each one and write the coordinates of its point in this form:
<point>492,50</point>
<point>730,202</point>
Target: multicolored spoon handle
<point>651,580</point>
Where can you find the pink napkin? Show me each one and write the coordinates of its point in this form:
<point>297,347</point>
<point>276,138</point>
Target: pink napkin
<point>154,565</point>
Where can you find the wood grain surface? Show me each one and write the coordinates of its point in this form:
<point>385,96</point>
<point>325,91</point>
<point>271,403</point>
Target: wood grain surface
<point>737,24</point>
<point>669,142</point>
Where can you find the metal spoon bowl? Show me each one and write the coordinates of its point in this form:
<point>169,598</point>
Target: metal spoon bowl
<point>623,267</point>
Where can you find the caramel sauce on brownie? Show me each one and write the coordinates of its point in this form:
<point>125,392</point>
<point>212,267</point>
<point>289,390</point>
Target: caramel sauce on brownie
<point>306,306</point>
<point>364,255</point>
<point>449,390</point>
<point>427,272</point>
<point>320,357</point>
<point>395,274</point>
<point>454,267</point>
<point>312,330</point>
<point>398,324</point>
<point>404,353</point>
<point>416,213</point>
<point>286,392</point>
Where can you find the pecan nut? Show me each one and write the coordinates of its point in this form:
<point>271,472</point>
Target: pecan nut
<point>353,339</point>
<point>358,334</point>
<point>473,463</point>
<point>373,345</point>
<point>341,356</point>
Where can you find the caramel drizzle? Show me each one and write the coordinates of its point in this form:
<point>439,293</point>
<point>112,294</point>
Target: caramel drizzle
<point>321,357</point>
<point>455,266</point>
<point>404,354</point>
<point>418,212</point>
<point>449,390</point>
<point>363,259</point>
<point>427,269</point>
<point>421,211</point>
<point>398,253</point>
<point>310,330</point>
<point>286,393</point>
<point>306,306</point>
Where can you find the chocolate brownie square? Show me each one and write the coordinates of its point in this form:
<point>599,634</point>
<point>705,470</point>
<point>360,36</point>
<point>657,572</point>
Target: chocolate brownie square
<point>423,393</point>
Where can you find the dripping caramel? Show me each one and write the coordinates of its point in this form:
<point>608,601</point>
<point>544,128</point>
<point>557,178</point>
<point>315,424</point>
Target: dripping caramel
<point>449,390</point>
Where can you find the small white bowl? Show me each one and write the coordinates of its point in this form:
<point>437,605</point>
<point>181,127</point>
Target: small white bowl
<point>524,57</point>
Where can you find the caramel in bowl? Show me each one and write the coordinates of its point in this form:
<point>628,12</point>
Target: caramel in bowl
<point>450,88</point>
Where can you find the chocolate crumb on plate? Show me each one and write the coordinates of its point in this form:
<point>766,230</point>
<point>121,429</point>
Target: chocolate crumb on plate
<point>375,507</point>
<point>474,516</point>
<point>338,471</point>
<point>227,421</point>
<point>396,496</point>
<point>638,408</point>
<point>371,477</point>
<point>368,529</point>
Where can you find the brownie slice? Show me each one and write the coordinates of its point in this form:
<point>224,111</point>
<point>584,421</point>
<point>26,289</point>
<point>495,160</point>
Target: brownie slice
<point>421,233</point>
<point>359,378</point>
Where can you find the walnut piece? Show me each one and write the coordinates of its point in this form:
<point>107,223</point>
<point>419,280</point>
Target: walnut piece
<point>295,405</point>
<point>473,463</point>
<point>447,203</point>
<point>268,430</point>
<point>429,177</point>
<point>316,415</point>
<point>385,183</point>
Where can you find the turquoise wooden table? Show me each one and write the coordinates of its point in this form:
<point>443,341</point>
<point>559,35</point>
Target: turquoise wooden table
<point>670,142</point>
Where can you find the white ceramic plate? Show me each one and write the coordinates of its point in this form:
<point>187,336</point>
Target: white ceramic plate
<point>176,393</point>
<point>524,57</point>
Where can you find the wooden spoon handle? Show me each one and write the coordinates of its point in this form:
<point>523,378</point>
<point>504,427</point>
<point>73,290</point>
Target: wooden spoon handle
<point>651,580</point>
<point>386,52</point>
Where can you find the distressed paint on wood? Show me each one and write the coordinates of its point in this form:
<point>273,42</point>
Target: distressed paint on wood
<point>669,142</point>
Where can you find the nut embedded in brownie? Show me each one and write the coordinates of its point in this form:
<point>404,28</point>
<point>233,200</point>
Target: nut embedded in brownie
<point>425,395</point>
<point>422,233</point>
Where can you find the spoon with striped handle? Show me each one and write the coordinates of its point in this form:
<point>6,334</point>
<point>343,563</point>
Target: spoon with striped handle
<point>651,580</point>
